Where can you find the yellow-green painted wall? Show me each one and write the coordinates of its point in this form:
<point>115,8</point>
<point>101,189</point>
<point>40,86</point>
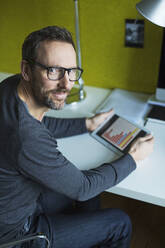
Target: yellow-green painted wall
<point>106,61</point>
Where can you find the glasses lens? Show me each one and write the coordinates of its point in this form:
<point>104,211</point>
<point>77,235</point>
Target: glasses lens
<point>55,73</point>
<point>74,74</point>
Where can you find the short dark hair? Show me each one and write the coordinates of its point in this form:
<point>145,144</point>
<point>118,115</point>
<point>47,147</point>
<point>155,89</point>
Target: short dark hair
<point>50,33</point>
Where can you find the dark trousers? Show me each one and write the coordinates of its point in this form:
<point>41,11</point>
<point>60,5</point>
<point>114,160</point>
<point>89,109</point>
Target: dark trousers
<point>80,224</point>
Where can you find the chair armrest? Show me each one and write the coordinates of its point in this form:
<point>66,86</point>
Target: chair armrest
<point>25,239</point>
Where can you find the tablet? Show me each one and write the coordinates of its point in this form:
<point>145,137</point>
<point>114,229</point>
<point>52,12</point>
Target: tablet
<point>117,133</point>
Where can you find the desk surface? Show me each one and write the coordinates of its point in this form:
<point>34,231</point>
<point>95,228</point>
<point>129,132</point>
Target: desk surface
<point>146,183</point>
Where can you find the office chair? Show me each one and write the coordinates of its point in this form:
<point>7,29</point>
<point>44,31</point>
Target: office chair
<point>26,239</point>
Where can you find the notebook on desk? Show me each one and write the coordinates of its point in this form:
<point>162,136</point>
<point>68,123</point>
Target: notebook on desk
<point>157,114</point>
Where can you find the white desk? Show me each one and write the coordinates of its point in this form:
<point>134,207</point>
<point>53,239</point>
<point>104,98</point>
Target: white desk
<point>146,183</point>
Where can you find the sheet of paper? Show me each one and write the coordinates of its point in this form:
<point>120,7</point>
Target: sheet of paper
<point>130,105</point>
<point>152,100</point>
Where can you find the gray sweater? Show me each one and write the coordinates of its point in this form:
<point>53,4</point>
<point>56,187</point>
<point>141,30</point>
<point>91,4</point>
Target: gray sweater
<point>30,161</point>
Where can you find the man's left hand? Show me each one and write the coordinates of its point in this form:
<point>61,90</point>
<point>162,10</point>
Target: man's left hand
<point>95,121</point>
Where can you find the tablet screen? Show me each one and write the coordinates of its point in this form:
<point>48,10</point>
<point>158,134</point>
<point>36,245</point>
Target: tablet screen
<point>120,132</point>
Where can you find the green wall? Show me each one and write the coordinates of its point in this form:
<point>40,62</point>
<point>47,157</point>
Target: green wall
<point>105,60</point>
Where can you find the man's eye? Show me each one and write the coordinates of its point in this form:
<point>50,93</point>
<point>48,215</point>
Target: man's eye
<point>52,70</point>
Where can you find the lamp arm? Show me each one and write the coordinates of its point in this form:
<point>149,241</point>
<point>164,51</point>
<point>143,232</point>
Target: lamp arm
<point>77,33</point>
<point>80,81</point>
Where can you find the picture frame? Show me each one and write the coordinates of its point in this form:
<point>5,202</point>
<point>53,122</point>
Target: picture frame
<point>134,33</point>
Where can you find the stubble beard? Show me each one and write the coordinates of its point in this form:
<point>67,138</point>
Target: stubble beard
<point>52,103</point>
<point>44,98</point>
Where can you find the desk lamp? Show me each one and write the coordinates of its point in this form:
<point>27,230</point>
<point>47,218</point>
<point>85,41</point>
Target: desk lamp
<point>154,11</point>
<point>77,93</point>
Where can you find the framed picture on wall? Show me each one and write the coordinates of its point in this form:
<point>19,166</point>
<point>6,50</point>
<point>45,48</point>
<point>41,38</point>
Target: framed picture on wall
<point>134,33</point>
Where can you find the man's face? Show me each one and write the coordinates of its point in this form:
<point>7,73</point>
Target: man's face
<point>48,93</point>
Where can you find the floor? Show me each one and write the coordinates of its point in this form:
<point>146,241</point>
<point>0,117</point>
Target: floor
<point>148,220</point>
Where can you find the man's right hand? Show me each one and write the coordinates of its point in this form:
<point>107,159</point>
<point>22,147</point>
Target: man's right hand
<point>142,147</point>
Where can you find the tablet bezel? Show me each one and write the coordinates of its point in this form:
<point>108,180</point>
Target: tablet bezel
<point>106,124</point>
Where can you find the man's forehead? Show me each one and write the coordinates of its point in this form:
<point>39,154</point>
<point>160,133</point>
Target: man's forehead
<point>55,45</point>
<point>52,52</point>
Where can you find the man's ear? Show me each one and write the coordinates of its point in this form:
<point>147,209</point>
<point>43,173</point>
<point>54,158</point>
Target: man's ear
<point>25,70</point>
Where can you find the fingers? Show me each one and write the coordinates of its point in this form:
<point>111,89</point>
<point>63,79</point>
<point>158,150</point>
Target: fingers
<point>93,122</point>
<point>148,137</point>
<point>133,145</point>
<point>107,114</point>
<point>142,147</point>
<point>111,111</point>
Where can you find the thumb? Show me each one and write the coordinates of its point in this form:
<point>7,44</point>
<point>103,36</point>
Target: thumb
<point>107,114</point>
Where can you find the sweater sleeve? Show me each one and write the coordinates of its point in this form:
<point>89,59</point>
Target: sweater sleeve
<point>40,160</point>
<point>61,128</point>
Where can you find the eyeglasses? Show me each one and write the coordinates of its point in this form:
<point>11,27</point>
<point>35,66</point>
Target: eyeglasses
<point>56,73</point>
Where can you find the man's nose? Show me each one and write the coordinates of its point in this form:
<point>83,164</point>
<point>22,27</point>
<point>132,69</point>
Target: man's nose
<point>65,82</point>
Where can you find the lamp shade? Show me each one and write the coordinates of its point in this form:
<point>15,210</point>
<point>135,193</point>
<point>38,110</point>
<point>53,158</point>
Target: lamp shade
<point>153,10</point>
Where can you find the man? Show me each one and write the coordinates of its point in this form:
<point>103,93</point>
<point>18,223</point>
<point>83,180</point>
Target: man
<point>37,183</point>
